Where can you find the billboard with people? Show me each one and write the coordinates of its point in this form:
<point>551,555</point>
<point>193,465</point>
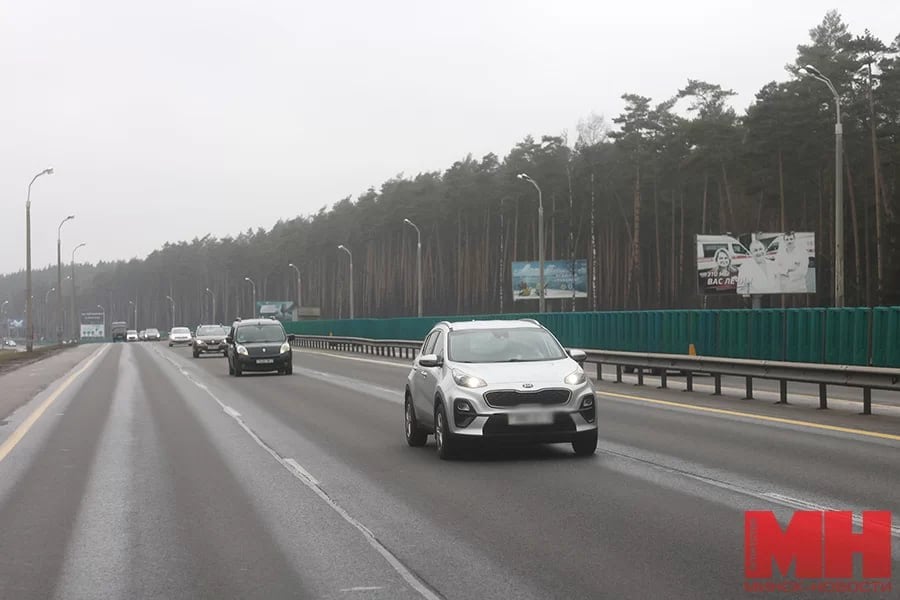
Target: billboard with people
<point>281,310</point>
<point>562,279</point>
<point>764,263</point>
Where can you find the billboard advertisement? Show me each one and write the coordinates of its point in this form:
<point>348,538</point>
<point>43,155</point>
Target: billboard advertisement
<point>562,279</point>
<point>281,310</point>
<point>93,326</point>
<point>763,263</point>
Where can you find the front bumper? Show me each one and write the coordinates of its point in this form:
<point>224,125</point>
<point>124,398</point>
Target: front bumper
<point>207,347</point>
<point>251,363</point>
<point>557,423</point>
<point>180,342</point>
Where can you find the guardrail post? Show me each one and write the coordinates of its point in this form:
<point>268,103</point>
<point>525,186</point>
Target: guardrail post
<point>618,373</point>
<point>663,379</point>
<point>782,391</point>
<point>717,379</point>
<point>823,396</point>
<point>599,371</point>
<point>867,401</point>
<point>640,372</point>
<point>748,395</point>
<point>689,382</point>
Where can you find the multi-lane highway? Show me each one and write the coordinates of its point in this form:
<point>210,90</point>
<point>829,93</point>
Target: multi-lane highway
<point>143,473</point>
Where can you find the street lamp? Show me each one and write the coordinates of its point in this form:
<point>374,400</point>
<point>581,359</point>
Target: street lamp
<point>29,325</point>
<point>418,262</point>
<point>213,296</point>
<point>3,312</point>
<point>350,254</point>
<point>132,303</point>
<point>169,298</point>
<point>59,298</point>
<point>46,318</point>
<point>103,310</point>
<point>838,189</point>
<point>75,335</point>
<point>253,285</point>
<point>299,288</point>
<point>525,177</point>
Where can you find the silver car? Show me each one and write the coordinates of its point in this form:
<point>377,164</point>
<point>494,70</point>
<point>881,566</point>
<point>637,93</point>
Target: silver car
<point>180,336</point>
<point>503,381</point>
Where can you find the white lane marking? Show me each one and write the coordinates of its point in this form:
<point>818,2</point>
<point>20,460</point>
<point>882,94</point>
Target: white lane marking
<point>406,366</point>
<point>303,476</point>
<point>361,588</point>
<point>806,505</point>
<point>355,385</point>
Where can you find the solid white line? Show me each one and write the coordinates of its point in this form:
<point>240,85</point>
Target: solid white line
<point>370,588</point>
<point>303,476</point>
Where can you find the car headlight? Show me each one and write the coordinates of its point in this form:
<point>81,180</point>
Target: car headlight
<point>241,350</point>
<point>575,377</point>
<point>285,347</point>
<point>468,381</point>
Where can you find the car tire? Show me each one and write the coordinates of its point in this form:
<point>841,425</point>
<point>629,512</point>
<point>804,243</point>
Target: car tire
<point>238,371</point>
<point>415,435</point>
<point>443,439</point>
<point>585,444</point>
<point>196,354</point>
<point>170,344</point>
<point>230,368</point>
<point>289,370</point>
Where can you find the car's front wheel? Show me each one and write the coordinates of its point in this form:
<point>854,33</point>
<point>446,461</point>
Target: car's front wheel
<point>415,435</point>
<point>443,439</point>
<point>585,444</point>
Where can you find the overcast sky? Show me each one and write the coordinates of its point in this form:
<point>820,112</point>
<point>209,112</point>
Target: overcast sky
<point>168,120</point>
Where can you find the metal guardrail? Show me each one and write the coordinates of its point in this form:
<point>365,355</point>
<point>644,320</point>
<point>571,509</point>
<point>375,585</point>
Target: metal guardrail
<point>865,378</point>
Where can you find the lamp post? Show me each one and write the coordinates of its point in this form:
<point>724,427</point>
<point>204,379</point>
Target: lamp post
<point>838,189</point>
<point>132,303</point>
<point>29,325</point>
<point>253,285</point>
<point>525,177</point>
<point>59,298</point>
<point>212,318</point>
<point>299,288</point>
<point>46,318</point>
<point>172,303</point>
<point>5,318</point>
<point>103,310</point>
<point>418,262</point>
<point>350,254</point>
<point>75,335</point>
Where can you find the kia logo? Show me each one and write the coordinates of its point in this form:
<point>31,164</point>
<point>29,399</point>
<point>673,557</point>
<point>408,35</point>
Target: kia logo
<point>527,386</point>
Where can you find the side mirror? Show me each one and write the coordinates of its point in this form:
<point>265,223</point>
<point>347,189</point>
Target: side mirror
<point>291,337</point>
<point>578,356</point>
<point>229,340</point>
<point>430,360</point>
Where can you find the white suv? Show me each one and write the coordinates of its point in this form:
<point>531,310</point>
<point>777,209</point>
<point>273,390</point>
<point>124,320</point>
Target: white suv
<point>504,381</point>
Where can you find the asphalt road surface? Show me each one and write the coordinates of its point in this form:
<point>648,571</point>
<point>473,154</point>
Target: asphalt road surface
<point>145,473</point>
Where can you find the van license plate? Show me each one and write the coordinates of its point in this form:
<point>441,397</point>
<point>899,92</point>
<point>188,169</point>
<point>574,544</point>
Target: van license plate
<point>530,418</point>
<point>265,361</point>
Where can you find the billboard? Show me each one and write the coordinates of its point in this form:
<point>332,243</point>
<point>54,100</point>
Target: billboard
<point>93,325</point>
<point>282,310</point>
<point>562,279</point>
<point>768,263</point>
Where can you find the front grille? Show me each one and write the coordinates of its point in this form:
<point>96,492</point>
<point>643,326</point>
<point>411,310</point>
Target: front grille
<point>506,398</point>
<point>499,425</point>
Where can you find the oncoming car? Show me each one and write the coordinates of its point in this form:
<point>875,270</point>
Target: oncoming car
<point>180,336</point>
<point>209,339</point>
<point>131,335</point>
<point>259,345</point>
<point>503,381</point>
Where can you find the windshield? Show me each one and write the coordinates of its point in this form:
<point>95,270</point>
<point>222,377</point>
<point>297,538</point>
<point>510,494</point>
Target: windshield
<point>153,331</point>
<point>259,333</point>
<point>178,330</point>
<point>503,345</point>
<point>211,330</point>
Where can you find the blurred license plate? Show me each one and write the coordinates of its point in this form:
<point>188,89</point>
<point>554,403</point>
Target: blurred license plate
<point>265,361</point>
<point>530,418</point>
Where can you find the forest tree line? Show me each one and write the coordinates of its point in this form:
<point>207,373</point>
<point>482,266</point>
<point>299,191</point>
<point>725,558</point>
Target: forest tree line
<point>628,193</point>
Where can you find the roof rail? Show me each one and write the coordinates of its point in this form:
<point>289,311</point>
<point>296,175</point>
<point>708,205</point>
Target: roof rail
<point>447,323</point>
<point>535,321</point>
